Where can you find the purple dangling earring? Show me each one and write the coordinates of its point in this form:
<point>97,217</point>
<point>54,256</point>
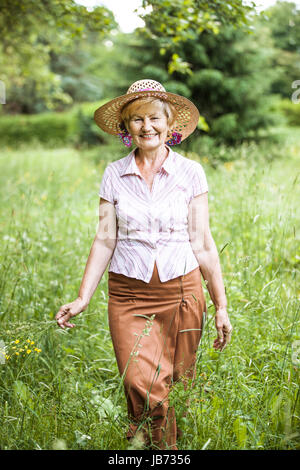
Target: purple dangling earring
<point>126,138</point>
<point>175,139</point>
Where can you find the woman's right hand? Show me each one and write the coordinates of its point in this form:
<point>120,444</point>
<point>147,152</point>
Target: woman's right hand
<point>68,311</point>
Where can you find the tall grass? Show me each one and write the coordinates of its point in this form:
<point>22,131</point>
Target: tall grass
<point>66,392</point>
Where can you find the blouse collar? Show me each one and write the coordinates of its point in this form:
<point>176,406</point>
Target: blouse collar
<point>130,166</point>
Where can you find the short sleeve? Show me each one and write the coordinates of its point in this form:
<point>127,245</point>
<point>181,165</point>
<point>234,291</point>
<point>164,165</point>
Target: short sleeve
<point>106,187</point>
<point>199,181</point>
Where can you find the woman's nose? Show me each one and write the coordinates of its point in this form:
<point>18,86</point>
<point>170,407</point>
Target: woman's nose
<point>146,124</point>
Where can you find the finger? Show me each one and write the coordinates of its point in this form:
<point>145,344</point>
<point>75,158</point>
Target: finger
<point>59,315</point>
<point>65,316</point>
<point>217,344</point>
<point>228,329</point>
<point>224,337</point>
<point>227,337</point>
<point>220,334</point>
<point>62,311</point>
<point>63,320</point>
<point>227,334</point>
<point>224,344</point>
<point>66,324</point>
<point>61,324</point>
<point>226,341</point>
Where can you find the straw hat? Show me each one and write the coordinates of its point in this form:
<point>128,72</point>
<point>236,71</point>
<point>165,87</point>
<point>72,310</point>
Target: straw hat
<point>108,116</point>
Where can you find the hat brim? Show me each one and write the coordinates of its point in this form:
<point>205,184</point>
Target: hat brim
<point>108,116</point>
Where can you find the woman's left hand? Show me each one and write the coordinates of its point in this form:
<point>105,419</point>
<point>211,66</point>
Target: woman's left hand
<point>224,329</point>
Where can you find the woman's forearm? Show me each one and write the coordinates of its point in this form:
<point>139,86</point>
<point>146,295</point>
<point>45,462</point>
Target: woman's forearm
<point>99,257</point>
<point>210,268</point>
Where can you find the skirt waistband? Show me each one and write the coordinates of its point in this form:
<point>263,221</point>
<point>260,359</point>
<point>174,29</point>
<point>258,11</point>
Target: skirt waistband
<point>175,289</point>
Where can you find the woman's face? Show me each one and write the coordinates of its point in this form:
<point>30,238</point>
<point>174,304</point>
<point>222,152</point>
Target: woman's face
<point>148,126</point>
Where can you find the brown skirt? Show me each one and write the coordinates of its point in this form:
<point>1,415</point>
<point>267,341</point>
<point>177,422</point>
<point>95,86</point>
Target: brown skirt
<point>156,329</point>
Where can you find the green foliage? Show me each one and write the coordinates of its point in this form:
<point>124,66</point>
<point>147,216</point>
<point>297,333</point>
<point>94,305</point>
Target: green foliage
<point>283,20</point>
<point>46,127</point>
<point>176,64</point>
<point>31,33</point>
<point>240,431</point>
<point>21,23</point>
<point>74,127</point>
<point>173,22</point>
<point>291,111</point>
<point>231,81</point>
<point>87,130</point>
<point>73,66</point>
<point>227,125</point>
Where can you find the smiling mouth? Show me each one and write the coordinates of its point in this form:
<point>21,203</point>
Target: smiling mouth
<point>148,136</point>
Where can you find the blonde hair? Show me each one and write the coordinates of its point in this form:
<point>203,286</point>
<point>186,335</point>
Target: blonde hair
<point>131,107</point>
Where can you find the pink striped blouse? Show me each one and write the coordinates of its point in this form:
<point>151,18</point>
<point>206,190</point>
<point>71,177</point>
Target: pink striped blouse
<point>153,226</point>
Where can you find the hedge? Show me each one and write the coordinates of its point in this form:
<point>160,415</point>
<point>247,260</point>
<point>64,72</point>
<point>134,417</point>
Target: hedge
<point>74,127</point>
<point>291,110</point>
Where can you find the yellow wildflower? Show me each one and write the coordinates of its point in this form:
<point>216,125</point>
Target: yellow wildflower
<point>21,349</point>
<point>28,340</point>
<point>17,354</point>
<point>28,351</point>
<point>31,342</point>
<point>228,165</point>
<point>17,341</point>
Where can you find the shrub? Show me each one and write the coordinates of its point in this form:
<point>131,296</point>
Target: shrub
<point>45,127</point>
<point>75,127</point>
<point>291,111</point>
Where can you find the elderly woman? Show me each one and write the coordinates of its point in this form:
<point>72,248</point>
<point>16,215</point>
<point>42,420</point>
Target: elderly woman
<point>154,231</point>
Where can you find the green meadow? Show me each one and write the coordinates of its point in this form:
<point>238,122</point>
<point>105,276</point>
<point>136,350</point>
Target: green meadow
<point>61,389</point>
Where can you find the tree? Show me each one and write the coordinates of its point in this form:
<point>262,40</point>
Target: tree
<point>283,20</point>
<point>91,70</point>
<point>175,21</point>
<point>31,32</point>
<point>231,81</point>
<point>23,21</point>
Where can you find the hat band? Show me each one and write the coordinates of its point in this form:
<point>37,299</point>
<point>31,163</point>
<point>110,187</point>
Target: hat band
<point>146,89</point>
